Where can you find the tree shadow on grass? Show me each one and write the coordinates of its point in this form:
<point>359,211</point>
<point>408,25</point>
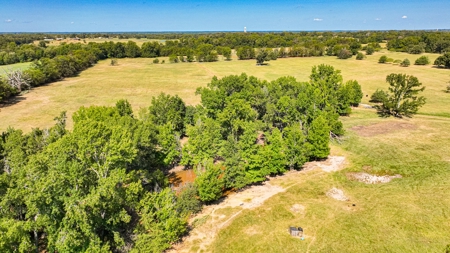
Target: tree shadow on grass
<point>12,101</point>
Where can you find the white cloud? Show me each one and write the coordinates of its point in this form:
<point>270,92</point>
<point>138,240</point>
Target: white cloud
<point>405,17</point>
<point>72,22</point>
<point>8,21</point>
<point>318,19</point>
<point>378,19</point>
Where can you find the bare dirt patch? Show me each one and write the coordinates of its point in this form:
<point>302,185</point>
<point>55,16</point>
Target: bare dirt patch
<point>337,194</point>
<point>333,163</point>
<point>382,128</point>
<point>371,179</point>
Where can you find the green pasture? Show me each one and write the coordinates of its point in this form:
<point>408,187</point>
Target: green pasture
<point>138,79</point>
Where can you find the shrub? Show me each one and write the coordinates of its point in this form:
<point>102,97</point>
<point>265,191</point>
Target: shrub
<point>390,60</point>
<point>405,63</point>
<point>187,201</point>
<point>416,49</point>
<point>359,56</point>
<point>383,59</point>
<point>173,58</point>
<point>422,60</point>
<point>369,50</point>
<point>443,61</point>
<point>344,54</point>
<point>114,62</point>
<point>156,61</point>
<point>397,61</point>
<point>163,61</point>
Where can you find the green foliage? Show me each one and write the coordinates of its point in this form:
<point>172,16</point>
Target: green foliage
<point>295,146</point>
<point>443,60</point>
<point>383,59</point>
<point>402,99</point>
<point>173,58</point>
<point>370,50</point>
<point>114,62</point>
<point>168,109</point>
<point>262,56</point>
<point>209,181</point>
<point>360,56</point>
<point>422,60</point>
<point>124,108</point>
<point>344,54</point>
<point>187,200</point>
<point>245,53</point>
<point>417,49</point>
<point>204,142</point>
<point>156,61</point>
<point>159,225</point>
<point>405,63</point>
<point>318,138</point>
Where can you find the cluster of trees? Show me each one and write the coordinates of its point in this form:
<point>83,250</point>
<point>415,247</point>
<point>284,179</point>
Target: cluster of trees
<point>246,129</point>
<point>417,42</point>
<point>101,187</point>
<point>94,189</point>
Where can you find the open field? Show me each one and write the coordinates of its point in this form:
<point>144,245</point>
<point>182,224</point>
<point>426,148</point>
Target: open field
<point>410,214</point>
<point>139,79</point>
<point>139,42</point>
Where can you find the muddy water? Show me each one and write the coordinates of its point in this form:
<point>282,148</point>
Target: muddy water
<point>179,178</point>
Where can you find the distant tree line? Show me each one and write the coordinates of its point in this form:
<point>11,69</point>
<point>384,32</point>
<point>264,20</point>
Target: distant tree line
<point>103,186</point>
<point>52,63</point>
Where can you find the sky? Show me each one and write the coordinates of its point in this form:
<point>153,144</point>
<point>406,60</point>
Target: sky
<point>204,15</point>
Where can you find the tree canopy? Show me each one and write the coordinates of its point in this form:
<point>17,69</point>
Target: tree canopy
<point>402,97</point>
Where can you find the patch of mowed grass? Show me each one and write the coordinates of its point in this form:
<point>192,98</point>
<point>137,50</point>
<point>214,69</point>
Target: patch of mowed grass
<point>406,215</point>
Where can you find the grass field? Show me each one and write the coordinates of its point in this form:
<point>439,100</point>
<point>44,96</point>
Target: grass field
<point>139,79</point>
<point>410,214</point>
<point>139,42</point>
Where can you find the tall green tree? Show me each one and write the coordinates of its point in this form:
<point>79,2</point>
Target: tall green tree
<point>402,97</point>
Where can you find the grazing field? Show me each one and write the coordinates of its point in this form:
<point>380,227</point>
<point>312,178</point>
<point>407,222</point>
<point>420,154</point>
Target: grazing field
<point>139,79</point>
<point>139,42</point>
<point>410,214</point>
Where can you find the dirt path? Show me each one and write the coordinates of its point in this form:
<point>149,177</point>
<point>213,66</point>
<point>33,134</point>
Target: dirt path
<point>215,217</point>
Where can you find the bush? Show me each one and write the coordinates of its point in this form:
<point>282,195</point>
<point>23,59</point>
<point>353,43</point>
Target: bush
<point>369,50</point>
<point>187,201</point>
<point>443,61</point>
<point>344,54</point>
<point>405,63</point>
<point>163,61</point>
<point>359,56</point>
<point>383,59</point>
<point>114,62</point>
<point>397,61</point>
<point>173,58</point>
<point>422,60</point>
<point>156,61</point>
<point>416,49</point>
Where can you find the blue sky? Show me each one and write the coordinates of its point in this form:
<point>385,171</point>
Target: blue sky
<point>202,15</point>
